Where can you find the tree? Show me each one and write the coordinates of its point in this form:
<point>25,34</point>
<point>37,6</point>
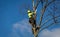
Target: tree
<point>45,5</point>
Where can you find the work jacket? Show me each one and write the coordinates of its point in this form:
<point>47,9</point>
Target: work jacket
<point>30,15</point>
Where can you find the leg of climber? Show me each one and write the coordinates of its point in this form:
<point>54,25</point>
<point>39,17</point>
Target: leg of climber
<point>34,23</point>
<point>31,21</point>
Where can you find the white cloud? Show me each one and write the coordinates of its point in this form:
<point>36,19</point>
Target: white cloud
<point>50,33</point>
<point>23,29</point>
<point>22,26</point>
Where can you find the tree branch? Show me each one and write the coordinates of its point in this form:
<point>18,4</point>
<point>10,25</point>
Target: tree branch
<point>37,3</point>
<point>49,20</point>
<point>33,4</point>
<point>49,25</point>
<point>50,2</point>
<point>43,10</point>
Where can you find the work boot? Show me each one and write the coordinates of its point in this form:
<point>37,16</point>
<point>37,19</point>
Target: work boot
<point>38,27</point>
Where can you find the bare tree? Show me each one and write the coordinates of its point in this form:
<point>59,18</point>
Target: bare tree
<point>45,7</point>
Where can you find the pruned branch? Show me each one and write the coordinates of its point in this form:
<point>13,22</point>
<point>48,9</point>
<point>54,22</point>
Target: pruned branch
<point>49,20</point>
<point>37,3</point>
<point>49,26</point>
<point>33,4</point>
<point>43,10</point>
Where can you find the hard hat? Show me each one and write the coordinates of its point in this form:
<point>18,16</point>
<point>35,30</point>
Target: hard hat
<point>28,11</point>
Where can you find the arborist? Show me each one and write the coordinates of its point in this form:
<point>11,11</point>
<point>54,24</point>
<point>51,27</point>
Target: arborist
<point>31,18</point>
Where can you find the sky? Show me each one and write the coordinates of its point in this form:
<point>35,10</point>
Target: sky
<point>14,21</point>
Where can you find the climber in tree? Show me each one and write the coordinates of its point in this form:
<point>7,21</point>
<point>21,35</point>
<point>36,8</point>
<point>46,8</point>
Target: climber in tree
<point>32,21</point>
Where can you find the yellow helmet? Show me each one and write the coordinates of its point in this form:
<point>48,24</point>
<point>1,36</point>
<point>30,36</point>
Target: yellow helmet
<point>28,11</point>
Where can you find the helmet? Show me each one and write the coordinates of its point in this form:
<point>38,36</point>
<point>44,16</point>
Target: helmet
<point>28,11</point>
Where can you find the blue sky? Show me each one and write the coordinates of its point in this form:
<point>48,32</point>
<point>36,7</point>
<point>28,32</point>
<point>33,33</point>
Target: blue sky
<point>10,14</point>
